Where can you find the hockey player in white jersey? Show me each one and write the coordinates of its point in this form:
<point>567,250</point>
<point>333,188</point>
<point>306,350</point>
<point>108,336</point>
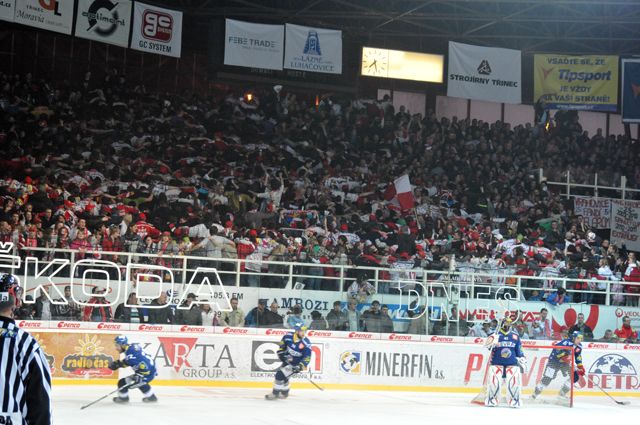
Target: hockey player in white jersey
<point>506,364</point>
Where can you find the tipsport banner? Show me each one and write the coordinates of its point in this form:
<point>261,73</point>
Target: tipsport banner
<point>104,20</point>
<point>313,49</point>
<point>576,82</point>
<point>253,45</point>
<point>52,15</point>
<point>484,73</point>
<point>156,30</point>
<point>630,90</point>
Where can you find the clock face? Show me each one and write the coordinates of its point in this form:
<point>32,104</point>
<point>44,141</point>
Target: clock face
<point>375,62</point>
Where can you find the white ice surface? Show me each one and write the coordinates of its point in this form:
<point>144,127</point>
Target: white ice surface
<point>204,405</point>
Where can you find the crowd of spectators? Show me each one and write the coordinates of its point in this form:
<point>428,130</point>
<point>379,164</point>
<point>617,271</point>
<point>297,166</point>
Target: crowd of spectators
<point>106,166</point>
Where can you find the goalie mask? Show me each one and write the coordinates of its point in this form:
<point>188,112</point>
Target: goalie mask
<point>10,287</point>
<point>507,323</point>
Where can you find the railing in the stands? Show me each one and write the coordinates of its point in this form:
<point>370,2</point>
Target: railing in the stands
<point>464,282</point>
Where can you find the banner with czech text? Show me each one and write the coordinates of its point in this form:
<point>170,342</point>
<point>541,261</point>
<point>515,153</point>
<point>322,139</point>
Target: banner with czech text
<point>253,45</point>
<point>625,224</point>
<point>104,20</point>
<point>576,82</point>
<point>313,49</point>
<point>630,88</point>
<point>596,211</point>
<point>52,15</point>
<point>156,30</point>
<point>484,73</point>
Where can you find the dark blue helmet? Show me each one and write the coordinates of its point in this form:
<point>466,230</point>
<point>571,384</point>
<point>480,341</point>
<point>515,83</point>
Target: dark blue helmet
<point>9,286</point>
<point>575,334</point>
<point>299,326</point>
<point>122,340</point>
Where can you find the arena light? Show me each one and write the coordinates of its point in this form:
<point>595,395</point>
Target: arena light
<point>402,65</point>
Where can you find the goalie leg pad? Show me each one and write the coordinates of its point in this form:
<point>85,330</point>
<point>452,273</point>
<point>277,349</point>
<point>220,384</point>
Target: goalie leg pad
<point>494,382</point>
<point>514,385</point>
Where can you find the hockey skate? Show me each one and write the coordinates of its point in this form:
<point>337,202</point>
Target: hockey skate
<point>283,394</point>
<point>151,399</point>
<point>272,396</point>
<point>121,400</point>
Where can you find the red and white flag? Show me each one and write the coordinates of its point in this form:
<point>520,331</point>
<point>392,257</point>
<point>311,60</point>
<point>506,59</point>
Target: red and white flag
<point>400,193</point>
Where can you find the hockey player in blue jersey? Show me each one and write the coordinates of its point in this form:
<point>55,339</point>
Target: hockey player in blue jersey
<point>560,361</point>
<point>507,362</point>
<point>295,353</point>
<point>143,366</point>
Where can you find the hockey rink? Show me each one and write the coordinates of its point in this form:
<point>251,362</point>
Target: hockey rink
<point>186,405</point>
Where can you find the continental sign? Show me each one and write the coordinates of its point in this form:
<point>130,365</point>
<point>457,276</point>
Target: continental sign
<point>576,82</point>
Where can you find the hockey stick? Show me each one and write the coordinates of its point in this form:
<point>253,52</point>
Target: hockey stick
<point>314,384</point>
<point>621,403</point>
<point>103,397</point>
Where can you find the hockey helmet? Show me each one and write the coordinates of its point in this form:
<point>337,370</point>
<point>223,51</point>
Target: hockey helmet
<point>299,326</point>
<point>576,334</point>
<point>121,340</point>
<point>10,287</point>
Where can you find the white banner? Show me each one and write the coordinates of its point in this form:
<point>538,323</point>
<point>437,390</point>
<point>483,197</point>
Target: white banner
<point>104,20</point>
<point>484,73</point>
<point>625,224</point>
<point>157,30</point>
<point>596,211</point>
<point>253,45</point>
<point>52,15</point>
<point>7,10</point>
<point>313,49</point>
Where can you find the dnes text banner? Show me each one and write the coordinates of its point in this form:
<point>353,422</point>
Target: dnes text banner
<point>253,45</point>
<point>576,82</point>
<point>484,73</point>
<point>157,30</point>
<point>52,15</point>
<point>104,20</point>
<point>313,49</point>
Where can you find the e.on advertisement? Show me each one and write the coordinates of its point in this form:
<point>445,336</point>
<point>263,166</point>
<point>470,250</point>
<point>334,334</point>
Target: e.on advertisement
<point>156,30</point>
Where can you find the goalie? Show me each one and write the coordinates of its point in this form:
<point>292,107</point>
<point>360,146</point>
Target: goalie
<point>507,363</point>
<point>560,361</point>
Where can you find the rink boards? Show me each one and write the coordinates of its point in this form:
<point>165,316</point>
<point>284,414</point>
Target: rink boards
<point>79,353</point>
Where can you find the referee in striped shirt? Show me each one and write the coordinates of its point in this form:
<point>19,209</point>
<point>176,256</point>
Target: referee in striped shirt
<point>25,379</point>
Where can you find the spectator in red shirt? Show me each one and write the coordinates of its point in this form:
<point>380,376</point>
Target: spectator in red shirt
<point>626,333</point>
<point>97,310</point>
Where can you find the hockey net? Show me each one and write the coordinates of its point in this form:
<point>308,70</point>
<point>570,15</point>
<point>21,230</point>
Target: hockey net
<point>543,382</point>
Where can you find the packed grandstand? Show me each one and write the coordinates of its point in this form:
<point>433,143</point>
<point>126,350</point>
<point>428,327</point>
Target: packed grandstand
<point>107,166</point>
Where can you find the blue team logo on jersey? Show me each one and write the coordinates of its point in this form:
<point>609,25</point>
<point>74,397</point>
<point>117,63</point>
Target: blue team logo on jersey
<point>312,45</point>
<point>350,362</point>
<point>505,353</point>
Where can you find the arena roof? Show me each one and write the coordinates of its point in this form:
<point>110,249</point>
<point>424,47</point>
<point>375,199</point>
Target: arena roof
<point>567,26</point>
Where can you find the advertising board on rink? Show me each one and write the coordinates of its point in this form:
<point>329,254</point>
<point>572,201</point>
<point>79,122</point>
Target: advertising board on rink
<point>382,360</point>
